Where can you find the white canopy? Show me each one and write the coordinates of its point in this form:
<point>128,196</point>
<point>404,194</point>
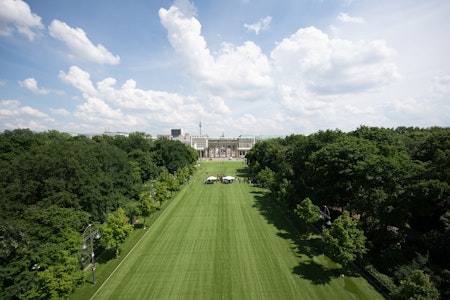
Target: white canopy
<point>211,178</point>
<point>229,178</point>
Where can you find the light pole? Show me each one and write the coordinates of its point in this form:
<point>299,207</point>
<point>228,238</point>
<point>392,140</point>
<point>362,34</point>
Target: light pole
<point>152,195</point>
<point>325,215</point>
<point>90,233</point>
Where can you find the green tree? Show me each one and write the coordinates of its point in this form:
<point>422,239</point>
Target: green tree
<point>416,286</point>
<point>57,281</point>
<point>183,175</point>
<point>145,163</point>
<point>308,212</point>
<point>337,170</point>
<point>161,191</point>
<point>344,241</point>
<point>268,179</point>
<point>168,179</point>
<point>146,203</point>
<point>174,155</point>
<point>116,229</point>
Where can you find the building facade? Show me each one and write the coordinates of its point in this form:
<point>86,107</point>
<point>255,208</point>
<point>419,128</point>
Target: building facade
<point>222,147</point>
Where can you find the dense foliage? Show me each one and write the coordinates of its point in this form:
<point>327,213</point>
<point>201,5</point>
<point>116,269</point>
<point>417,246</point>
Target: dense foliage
<point>395,182</point>
<point>52,185</point>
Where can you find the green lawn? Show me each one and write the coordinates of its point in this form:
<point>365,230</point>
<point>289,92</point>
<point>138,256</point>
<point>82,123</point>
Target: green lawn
<point>222,241</point>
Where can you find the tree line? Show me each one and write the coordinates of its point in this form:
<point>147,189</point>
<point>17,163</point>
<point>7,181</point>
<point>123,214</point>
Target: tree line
<point>52,185</point>
<point>390,185</point>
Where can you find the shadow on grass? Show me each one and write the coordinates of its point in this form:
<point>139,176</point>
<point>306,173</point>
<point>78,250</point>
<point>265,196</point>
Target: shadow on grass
<point>314,272</point>
<point>307,245</point>
<point>242,172</point>
<point>107,255</point>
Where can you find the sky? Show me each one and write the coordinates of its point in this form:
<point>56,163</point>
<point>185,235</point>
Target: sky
<point>238,67</point>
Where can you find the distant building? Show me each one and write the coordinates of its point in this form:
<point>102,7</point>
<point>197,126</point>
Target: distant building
<point>176,132</point>
<point>164,137</point>
<point>222,147</point>
<point>219,147</point>
<point>200,144</point>
<point>115,133</point>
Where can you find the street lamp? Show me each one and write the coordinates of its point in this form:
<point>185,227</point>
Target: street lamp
<point>90,233</point>
<point>325,215</point>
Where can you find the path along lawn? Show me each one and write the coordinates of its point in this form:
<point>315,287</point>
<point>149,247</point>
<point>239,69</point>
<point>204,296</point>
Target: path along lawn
<point>222,241</point>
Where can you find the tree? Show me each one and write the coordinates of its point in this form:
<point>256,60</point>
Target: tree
<point>308,212</point>
<point>339,168</point>
<point>55,282</point>
<point>416,286</point>
<point>174,155</point>
<point>267,178</point>
<point>344,242</point>
<point>168,179</point>
<point>116,229</point>
<point>146,203</point>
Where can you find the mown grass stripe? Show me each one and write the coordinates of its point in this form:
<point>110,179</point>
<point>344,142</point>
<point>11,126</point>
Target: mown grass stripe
<point>219,242</point>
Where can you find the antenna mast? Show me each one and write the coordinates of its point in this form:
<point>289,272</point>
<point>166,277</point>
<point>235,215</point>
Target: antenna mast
<point>200,126</point>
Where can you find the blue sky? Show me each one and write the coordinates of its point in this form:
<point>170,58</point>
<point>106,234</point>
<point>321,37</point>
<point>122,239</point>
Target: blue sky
<point>240,66</point>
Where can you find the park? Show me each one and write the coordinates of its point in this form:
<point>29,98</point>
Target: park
<point>223,241</point>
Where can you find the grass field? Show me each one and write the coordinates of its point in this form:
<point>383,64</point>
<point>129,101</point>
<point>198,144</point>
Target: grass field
<point>223,241</point>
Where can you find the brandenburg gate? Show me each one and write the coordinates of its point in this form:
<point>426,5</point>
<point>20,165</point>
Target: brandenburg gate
<point>222,147</point>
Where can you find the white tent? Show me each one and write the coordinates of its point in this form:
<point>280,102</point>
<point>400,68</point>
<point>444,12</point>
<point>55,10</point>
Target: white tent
<point>211,179</point>
<point>227,179</point>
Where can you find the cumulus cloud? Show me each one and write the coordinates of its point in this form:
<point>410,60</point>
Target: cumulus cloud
<point>217,105</point>
<point>308,59</point>
<point>128,106</point>
<point>14,115</point>
<point>32,85</point>
<point>261,25</point>
<point>79,79</point>
<point>79,44</point>
<point>329,66</point>
<point>234,69</point>
<point>16,14</point>
<point>346,18</point>
<point>13,108</point>
<point>187,7</point>
<point>308,75</point>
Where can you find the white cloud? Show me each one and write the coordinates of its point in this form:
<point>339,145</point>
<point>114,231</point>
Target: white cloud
<point>79,44</point>
<point>60,112</point>
<point>2,83</point>
<point>441,85</point>
<point>234,71</point>
<point>186,7</point>
<point>309,77</point>
<point>32,85</point>
<point>217,105</point>
<point>95,109</point>
<point>17,14</point>
<point>128,106</point>
<point>79,79</point>
<point>346,18</point>
<point>14,115</point>
<point>330,66</point>
<point>261,25</point>
<point>418,112</point>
